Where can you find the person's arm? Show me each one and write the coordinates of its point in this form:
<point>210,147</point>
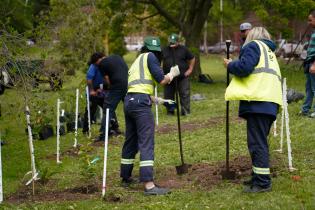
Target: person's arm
<point>89,80</point>
<point>157,72</point>
<point>249,58</point>
<point>191,67</point>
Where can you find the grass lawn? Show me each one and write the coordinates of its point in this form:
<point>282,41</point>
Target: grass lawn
<point>204,145</point>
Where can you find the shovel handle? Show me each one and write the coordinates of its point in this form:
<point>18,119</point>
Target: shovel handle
<point>228,44</point>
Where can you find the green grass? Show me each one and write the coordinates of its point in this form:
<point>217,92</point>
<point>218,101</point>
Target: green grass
<point>206,145</point>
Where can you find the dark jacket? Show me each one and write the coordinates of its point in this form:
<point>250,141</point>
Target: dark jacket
<point>248,59</point>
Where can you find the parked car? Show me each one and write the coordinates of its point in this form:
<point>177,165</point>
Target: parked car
<point>291,49</point>
<point>133,46</point>
<point>219,47</point>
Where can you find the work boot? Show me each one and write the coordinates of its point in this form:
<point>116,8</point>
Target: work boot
<point>171,113</point>
<point>256,189</point>
<point>312,115</point>
<point>303,114</point>
<point>128,182</point>
<point>157,191</point>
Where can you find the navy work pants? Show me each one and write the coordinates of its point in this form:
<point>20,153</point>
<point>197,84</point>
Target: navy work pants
<point>139,136</point>
<point>111,102</point>
<point>258,127</point>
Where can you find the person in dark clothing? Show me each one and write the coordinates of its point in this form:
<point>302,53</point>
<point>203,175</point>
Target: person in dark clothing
<point>257,84</point>
<point>176,54</point>
<point>144,74</point>
<point>244,29</point>
<point>95,82</point>
<point>115,70</point>
<point>310,76</point>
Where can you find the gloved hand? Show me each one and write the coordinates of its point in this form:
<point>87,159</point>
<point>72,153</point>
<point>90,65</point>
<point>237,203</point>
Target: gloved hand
<point>174,72</point>
<point>158,100</point>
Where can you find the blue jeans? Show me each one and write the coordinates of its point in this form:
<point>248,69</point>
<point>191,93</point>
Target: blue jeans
<point>112,101</point>
<point>309,91</point>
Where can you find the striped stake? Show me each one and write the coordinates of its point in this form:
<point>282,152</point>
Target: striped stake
<point>76,118</point>
<point>31,147</point>
<point>286,115</point>
<point>105,153</point>
<point>88,109</point>
<point>1,189</point>
<point>156,108</point>
<point>58,130</point>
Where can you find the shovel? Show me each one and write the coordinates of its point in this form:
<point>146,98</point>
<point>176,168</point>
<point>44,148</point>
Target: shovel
<point>227,174</point>
<point>183,168</point>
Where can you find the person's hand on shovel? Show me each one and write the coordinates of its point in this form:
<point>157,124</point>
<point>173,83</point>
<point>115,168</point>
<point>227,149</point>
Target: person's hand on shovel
<point>174,72</point>
<point>226,61</point>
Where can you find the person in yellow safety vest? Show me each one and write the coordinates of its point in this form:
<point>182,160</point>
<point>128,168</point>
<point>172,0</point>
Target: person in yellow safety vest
<point>257,85</point>
<point>143,75</point>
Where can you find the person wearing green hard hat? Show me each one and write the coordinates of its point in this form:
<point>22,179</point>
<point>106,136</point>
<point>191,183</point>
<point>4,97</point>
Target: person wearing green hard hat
<point>144,74</point>
<point>176,54</point>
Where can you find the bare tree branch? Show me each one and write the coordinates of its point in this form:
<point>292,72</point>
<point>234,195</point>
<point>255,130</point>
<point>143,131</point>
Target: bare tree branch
<point>147,17</point>
<point>165,14</point>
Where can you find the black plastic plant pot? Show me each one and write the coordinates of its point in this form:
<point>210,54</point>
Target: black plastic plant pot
<point>45,132</point>
<point>70,126</point>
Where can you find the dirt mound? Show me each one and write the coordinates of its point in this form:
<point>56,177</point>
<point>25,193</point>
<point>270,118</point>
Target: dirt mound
<point>204,176</point>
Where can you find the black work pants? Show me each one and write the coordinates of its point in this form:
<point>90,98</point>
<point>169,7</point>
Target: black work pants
<point>184,94</point>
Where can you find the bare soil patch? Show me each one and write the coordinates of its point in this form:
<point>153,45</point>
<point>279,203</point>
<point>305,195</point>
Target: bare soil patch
<point>204,176</point>
<point>194,125</point>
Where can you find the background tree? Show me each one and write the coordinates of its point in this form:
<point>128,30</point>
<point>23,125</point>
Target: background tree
<point>188,17</point>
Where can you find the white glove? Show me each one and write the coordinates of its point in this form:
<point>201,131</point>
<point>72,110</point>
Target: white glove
<point>158,100</point>
<point>174,72</point>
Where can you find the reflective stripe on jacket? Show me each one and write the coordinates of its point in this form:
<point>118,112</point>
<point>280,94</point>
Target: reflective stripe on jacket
<point>140,79</point>
<point>263,84</point>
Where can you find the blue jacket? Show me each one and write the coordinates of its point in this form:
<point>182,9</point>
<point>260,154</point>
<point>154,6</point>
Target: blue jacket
<point>248,59</point>
<point>95,75</point>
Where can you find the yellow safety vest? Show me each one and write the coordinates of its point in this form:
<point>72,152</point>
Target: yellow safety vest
<point>263,84</point>
<point>140,79</point>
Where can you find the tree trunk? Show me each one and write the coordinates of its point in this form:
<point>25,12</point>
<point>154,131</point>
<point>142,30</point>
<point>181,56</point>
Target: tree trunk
<point>192,42</point>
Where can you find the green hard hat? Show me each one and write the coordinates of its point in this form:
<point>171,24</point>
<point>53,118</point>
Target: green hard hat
<point>173,38</point>
<point>152,43</point>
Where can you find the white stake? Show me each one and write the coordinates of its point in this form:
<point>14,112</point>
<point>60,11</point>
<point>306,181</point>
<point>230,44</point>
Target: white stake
<point>156,108</point>
<point>105,153</point>
<point>58,130</point>
<point>286,114</point>
<point>88,109</point>
<point>1,189</point>
<point>275,128</point>
<point>76,118</point>
<point>31,147</point>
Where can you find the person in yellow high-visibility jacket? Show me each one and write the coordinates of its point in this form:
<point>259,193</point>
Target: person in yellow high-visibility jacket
<point>257,85</point>
<point>143,75</point>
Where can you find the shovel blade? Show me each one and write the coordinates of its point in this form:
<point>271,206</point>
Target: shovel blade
<point>230,175</point>
<point>182,169</point>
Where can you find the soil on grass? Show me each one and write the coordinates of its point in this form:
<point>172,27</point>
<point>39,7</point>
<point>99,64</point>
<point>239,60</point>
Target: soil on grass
<point>203,176</point>
<point>194,125</point>
<point>25,194</point>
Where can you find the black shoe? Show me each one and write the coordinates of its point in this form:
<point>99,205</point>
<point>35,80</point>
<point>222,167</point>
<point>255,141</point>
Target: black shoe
<point>171,113</point>
<point>303,114</point>
<point>157,191</point>
<point>128,182</point>
<point>99,138</point>
<point>248,182</point>
<point>256,189</point>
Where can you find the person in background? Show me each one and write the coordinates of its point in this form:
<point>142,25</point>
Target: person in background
<point>144,74</point>
<point>115,71</point>
<point>309,71</point>
<point>257,85</point>
<point>95,82</point>
<point>244,29</point>
<point>176,54</point>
